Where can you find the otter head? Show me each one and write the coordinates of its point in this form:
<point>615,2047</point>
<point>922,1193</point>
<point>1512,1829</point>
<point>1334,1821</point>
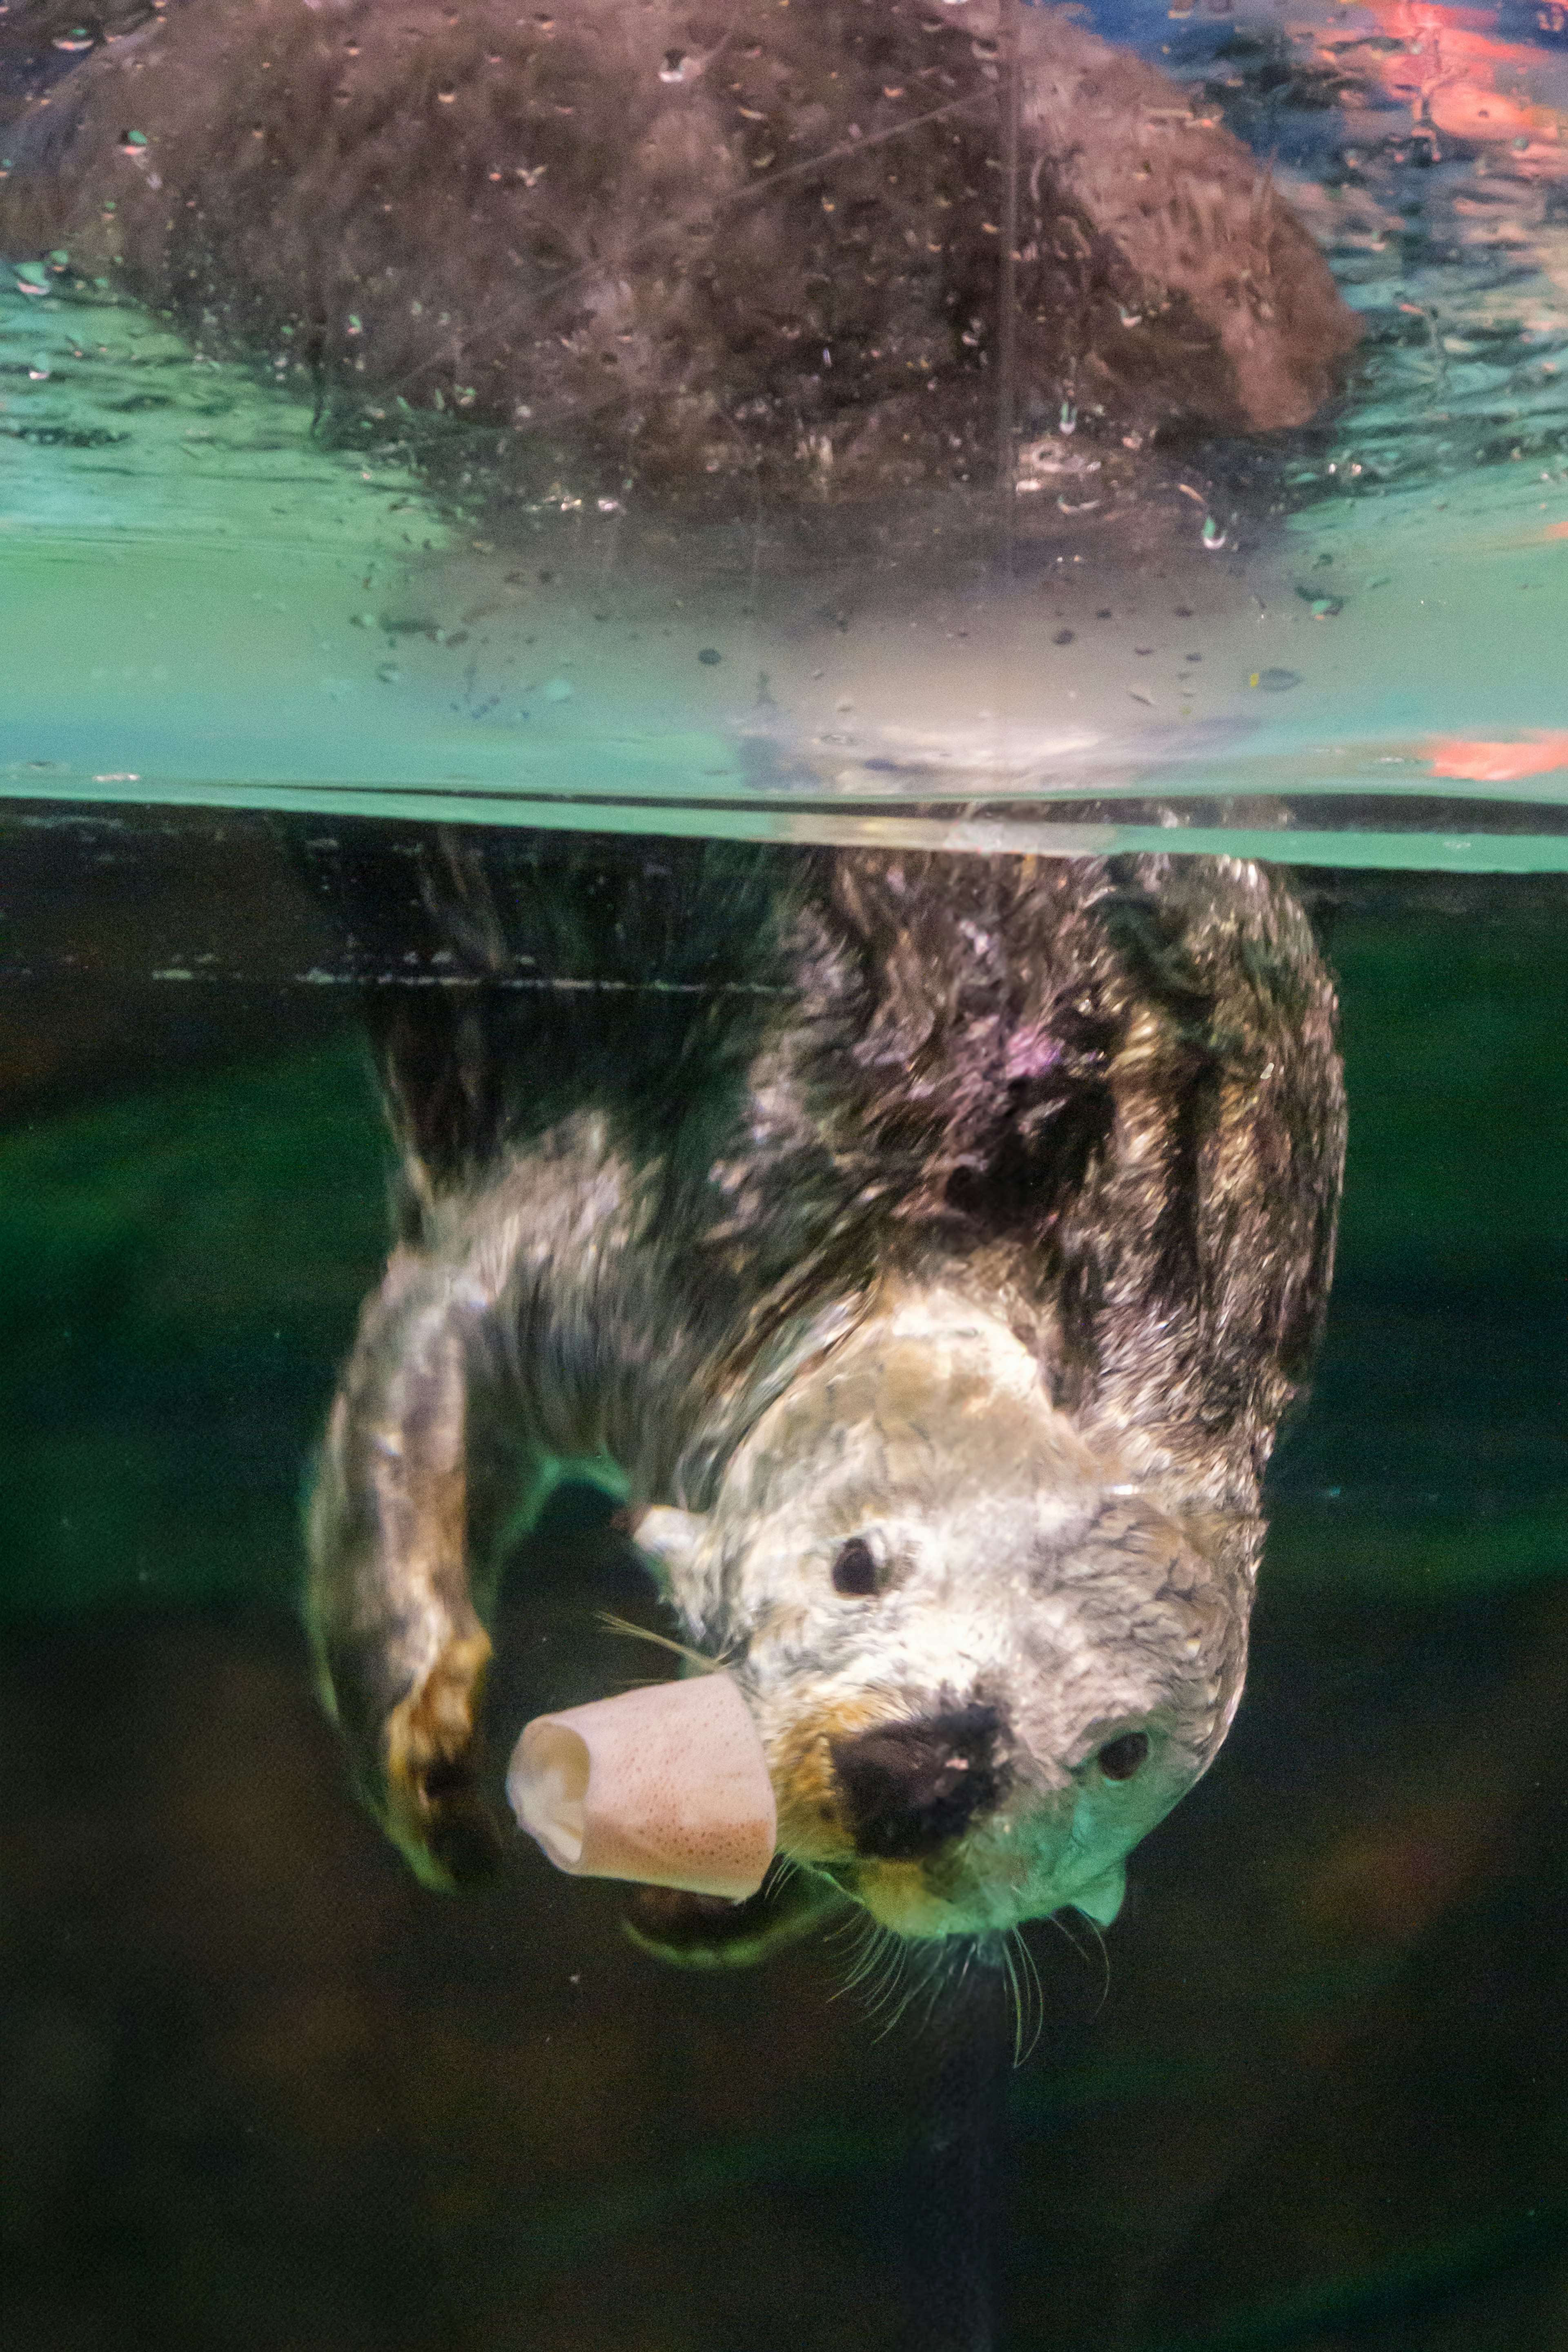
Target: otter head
<point>983,1664</point>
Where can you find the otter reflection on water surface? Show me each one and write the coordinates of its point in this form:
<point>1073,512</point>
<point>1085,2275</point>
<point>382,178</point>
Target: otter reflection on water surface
<point>665,246</point>
<point>923,1250</point>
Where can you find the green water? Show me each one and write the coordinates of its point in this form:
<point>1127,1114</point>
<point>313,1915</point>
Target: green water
<point>260,2090</point>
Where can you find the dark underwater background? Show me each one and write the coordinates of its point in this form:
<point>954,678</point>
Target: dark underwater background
<point>257,2090</point>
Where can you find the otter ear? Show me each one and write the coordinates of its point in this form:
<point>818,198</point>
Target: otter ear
<point>1103,1898</point>
<point>671,1540</point>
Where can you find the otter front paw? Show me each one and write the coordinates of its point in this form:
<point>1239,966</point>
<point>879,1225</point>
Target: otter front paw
<point>432,1804</point>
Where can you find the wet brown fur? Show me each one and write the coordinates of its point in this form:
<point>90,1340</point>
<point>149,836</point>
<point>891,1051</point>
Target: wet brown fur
<point>681,241</point>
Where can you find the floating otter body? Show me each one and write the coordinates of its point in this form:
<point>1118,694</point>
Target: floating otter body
<point>676,244</point>
<point>923,1250</point>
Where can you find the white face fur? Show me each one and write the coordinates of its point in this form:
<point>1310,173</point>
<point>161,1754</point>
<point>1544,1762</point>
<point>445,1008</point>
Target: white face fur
<point>982,1665</point>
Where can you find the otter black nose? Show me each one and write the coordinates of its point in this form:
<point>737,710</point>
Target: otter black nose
<point>909,1786</point>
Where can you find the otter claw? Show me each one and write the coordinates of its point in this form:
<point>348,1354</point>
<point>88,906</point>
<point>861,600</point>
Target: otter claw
<point>442,1825</point>
<point>432,1808</point>
<point>463,1842</point>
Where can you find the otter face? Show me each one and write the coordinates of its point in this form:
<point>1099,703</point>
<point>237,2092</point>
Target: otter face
<point>982,1666</point>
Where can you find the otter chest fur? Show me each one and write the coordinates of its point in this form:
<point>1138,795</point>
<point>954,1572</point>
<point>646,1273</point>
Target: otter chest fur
<point>923,1250</point>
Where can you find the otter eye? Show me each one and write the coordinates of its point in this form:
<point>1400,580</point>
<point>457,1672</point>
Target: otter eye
<point>1119,1759</point>
<point>854,1569</point>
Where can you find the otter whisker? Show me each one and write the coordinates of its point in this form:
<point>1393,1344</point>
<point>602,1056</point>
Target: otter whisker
<point>1030,1995</point>
<point>1105,1964</point>
<point>937,1977</point>
<point>913,1978</point>
<point>1009,1977</point>
<point>889,1997</point>
<point>1059,1921</point>
<point>697,1658</point>
<point>1014,1994</point>
<point>1039,1989</point>
<point>867,1956</point>
<point>853,1923</point>
<point>894,1956</point>
<point>867,1961</point>
<point>956,1962</point>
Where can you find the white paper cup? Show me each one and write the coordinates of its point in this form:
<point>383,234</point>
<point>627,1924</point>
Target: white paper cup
<point>666,1786</point>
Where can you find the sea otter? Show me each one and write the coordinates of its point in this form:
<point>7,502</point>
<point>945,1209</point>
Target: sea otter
<point>791,246</point>
<point>921,1250</point>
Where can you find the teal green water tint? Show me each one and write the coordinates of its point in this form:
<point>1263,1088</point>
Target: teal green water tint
<point>1354,632</point>
<point>1352,629</point>
<point>182,1272</point>
<point>203,603</point>
<point>1434,1440</point>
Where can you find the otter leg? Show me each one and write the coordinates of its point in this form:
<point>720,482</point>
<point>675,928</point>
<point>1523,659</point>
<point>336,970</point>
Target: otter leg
<point>400,1643</point>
